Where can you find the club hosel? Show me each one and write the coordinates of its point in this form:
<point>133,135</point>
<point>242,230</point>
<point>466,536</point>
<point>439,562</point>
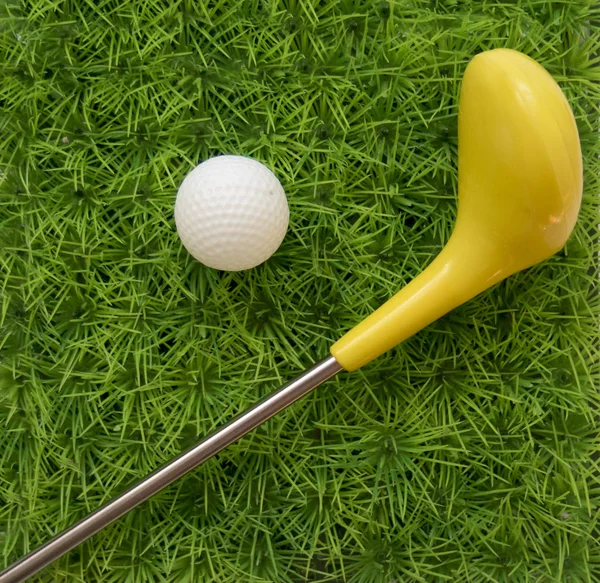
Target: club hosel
<point>468,264</point>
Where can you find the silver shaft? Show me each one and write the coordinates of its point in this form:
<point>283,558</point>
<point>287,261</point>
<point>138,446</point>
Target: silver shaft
<point>159,479</point>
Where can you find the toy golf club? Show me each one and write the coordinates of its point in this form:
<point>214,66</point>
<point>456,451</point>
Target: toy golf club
<point>519,192</point>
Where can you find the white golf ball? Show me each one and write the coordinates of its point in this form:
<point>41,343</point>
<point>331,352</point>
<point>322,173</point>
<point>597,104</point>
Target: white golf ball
<point>231,213</point>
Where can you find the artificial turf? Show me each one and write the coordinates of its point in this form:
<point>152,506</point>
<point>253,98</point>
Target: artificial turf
<point>469,453</point>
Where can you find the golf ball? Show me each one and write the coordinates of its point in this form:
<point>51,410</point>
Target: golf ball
<point>231,213</point>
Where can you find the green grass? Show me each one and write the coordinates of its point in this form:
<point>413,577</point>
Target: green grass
<point>469,453</point>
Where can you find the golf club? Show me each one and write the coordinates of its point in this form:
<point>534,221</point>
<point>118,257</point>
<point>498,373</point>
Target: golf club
<point>519,192</point>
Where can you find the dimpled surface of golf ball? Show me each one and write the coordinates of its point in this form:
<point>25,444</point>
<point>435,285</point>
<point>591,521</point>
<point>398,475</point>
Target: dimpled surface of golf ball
<point>231,213</point>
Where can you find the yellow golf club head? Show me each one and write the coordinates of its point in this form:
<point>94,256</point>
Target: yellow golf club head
<point>520,182</point>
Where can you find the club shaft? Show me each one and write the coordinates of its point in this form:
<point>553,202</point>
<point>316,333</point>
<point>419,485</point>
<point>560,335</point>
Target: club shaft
<point>181,465</point>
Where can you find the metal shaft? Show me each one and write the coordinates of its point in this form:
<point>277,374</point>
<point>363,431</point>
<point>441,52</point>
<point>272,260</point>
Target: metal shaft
<point>159,479</point>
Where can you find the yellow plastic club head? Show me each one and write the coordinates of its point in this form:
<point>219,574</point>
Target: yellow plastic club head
<point>520,182</point>
<point>519,164</point>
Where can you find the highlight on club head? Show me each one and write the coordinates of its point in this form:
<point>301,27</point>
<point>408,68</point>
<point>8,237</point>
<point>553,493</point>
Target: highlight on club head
<point>520,182</point>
